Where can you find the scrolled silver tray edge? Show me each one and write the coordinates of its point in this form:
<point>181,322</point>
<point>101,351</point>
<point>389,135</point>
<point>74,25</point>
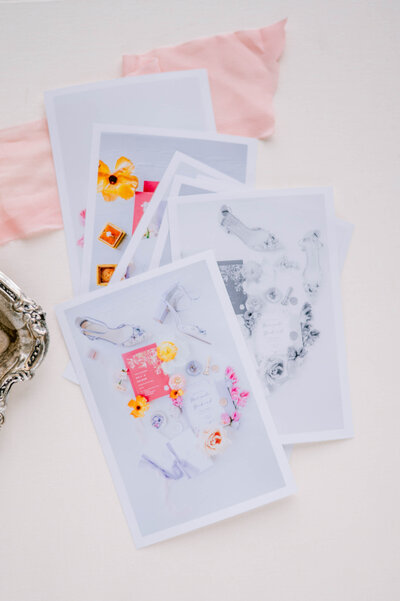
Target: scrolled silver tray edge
<point>32,320</point>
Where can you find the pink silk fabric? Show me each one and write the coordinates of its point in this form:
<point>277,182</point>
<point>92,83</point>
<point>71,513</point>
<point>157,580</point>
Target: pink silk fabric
<point>243,71</point>
<point>28,188</point>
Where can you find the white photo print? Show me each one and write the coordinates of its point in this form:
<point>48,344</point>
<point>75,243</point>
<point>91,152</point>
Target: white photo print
<point>277,252</point>
<point>175,399</point>
<point>175,100</point>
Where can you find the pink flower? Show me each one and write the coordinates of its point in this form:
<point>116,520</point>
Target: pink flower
<point>225,419</point>
<point>82,215</point>
<point>235,416</point>
<point>234,392</point>
<point>230,373</point>
<point>80,242</point>
<point>177,402</point>
<point>243,398</point>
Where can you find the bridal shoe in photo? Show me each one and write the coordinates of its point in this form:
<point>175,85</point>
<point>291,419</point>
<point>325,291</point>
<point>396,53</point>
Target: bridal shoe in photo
<point>123,335</point>
<point>174,300</point>
<point>255,238</point>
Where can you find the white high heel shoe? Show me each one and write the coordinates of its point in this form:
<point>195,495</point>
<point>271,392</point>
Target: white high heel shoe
<point>255,238</point>
<point>169,304</point>
<point>177,296</point>
<point>125,334</point>
<point>312,274</point>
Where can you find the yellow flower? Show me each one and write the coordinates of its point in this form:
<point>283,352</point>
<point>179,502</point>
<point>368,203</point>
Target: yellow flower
<point>139,406</point>
<point>120,183</point>
<point>166,351</point>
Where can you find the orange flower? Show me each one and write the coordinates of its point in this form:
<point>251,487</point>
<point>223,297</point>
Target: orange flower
<point>120,183</point>
<point>174,394</point>
<point>139,405</point>
<point>214,440</point>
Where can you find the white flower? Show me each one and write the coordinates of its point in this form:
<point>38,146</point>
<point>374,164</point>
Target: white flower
<point>252,271</point>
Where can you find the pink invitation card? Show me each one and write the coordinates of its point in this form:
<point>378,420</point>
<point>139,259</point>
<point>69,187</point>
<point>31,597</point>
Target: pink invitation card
<point>145,373</point>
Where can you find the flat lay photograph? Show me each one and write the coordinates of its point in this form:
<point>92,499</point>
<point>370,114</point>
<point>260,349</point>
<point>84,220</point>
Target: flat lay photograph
<point>199,238</point>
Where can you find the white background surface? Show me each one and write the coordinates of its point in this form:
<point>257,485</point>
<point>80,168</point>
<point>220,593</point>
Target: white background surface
<point>62,532</point>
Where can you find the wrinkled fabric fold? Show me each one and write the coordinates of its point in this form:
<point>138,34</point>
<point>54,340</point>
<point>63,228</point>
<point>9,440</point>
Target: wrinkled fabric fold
<point>28,188</point>
<point>243,70</point>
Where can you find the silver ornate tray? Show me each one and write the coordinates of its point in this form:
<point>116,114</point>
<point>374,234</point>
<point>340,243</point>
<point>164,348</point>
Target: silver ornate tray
<point>24,338</point>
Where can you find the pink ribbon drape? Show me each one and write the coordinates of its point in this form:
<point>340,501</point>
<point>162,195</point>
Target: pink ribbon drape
<point>243,72</point>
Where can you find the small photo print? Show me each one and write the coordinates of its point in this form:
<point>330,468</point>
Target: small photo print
<point>278,256</point>
<point>176,100</point>
<point>175,400</point>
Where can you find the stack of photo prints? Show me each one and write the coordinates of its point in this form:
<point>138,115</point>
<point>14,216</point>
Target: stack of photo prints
<point>206,332</point>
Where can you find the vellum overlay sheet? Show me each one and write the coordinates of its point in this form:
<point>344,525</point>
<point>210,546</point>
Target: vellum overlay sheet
<point>278,256</point>
<point>175,399</point>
